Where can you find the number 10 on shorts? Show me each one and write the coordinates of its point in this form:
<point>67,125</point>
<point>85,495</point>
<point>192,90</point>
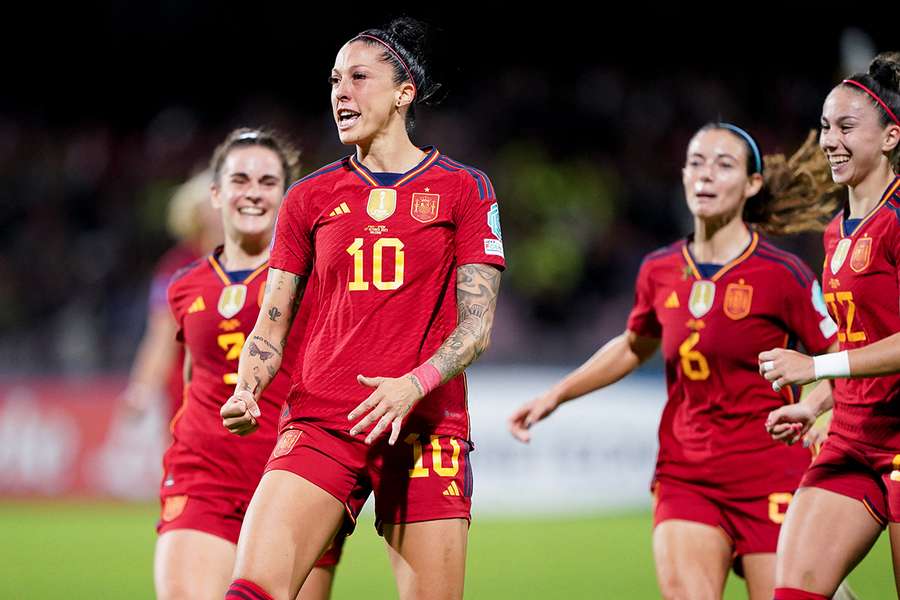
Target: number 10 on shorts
<point>437,456</point>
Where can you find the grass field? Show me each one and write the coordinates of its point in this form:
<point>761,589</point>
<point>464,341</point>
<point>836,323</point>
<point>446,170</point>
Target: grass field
<point>105,551</point>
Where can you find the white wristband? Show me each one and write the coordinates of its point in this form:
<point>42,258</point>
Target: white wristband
<point>832,366</point>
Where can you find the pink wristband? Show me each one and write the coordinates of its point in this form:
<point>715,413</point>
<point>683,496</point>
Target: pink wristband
<point>429,377</point>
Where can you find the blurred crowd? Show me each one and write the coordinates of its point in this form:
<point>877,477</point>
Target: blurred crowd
<point>586,165</point>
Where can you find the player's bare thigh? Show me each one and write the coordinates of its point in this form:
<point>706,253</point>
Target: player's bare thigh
<point>692,560</point>
<point>824,536</point>
<point>759,573</point>
<point>288,525</point>
<point>429,558</point>
<point>318,584</point>
<point>191,564</point>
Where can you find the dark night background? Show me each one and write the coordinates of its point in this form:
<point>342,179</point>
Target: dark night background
<point>581,121</point>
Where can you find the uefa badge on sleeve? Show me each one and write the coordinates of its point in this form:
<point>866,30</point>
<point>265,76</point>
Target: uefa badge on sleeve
<point>493,220</point>
<point>494,246</point>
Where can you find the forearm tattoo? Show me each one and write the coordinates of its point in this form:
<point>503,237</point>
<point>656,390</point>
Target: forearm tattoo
<point>476,299</point>
<point>263,355</point>
<point>260,348</point>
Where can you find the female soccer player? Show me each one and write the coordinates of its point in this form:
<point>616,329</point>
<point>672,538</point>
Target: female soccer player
<point>210,474</point>
<point>711,301</point>
<point>854,484</point>
<point>401,247</point>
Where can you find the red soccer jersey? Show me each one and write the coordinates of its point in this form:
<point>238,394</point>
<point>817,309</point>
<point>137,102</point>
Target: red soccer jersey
<point>382,264</point>
<point>215,316</point>
<point>712,329</point>
<point>860,282</point>
<point>176,258</point>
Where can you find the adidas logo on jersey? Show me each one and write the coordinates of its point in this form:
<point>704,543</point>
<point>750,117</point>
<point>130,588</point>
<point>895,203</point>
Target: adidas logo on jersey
<point>341,209</point>
<point>452,490</point>
<point>672,301</point>
<point>197,305</point>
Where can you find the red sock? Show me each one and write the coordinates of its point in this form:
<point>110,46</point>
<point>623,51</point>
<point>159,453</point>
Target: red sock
<point>243,589</point>
<point>795,594</point>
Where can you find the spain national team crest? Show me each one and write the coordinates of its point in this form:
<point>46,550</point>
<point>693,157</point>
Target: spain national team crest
<point>382,203</point>
<point>862,252</point>
<point>424,208</point>
<point>701,300</point>
<point>232,299</point>
<point>173,506</point>
<point>840,255</point>
<point>286,442</point>
<point>738,298</point>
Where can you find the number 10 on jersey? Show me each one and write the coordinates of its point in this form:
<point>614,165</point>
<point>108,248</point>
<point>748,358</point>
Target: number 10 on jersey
<point>357,251</point>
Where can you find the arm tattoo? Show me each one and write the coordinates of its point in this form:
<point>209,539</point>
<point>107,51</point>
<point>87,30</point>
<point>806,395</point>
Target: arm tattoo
<point>477,286</point>
<point>260,351</point>
<point>299,287</point>
<point>418,385</point>
<point>263,355</point>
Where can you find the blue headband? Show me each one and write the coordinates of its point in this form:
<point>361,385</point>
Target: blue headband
<point>750,141</point>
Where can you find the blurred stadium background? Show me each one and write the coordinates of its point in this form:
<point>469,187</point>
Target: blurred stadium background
<point>582,125</point>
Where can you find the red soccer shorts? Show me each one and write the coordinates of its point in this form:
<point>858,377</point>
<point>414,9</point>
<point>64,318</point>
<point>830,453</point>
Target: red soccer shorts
<point>861,472</point>
<point>420,478</point>
<point>220,516</point>
<point>751,525</point>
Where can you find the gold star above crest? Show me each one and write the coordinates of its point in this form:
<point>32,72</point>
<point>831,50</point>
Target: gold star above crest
<point>427,189</point>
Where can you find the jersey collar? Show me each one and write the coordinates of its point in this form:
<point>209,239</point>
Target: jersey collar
<point>223,276</point>
<point>366,175</point>
<point>692,264</point>
<point>891,189</point>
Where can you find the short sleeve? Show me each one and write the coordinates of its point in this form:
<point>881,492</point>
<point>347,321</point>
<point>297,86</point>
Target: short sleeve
<point>478,235</point>
<point>159,286</point>
<point>176,297</point>
<point>642,319</point>
<point>292,244</point>
<point>806,314</point>
<point>173,262</point>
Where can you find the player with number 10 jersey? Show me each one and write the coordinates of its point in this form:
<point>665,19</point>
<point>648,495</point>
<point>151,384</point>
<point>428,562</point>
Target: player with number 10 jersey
<point>385,248</point>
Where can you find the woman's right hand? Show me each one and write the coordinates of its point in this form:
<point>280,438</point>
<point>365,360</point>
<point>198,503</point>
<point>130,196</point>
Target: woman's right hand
<point>790,423</point>
<point>530,413</point>
<point>240,413</point>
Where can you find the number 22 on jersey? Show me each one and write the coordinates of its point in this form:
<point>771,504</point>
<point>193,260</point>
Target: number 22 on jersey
<point>844,310</point>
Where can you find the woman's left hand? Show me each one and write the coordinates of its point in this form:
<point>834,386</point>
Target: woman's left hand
<point>786,367</point>
<point>391,401</point>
